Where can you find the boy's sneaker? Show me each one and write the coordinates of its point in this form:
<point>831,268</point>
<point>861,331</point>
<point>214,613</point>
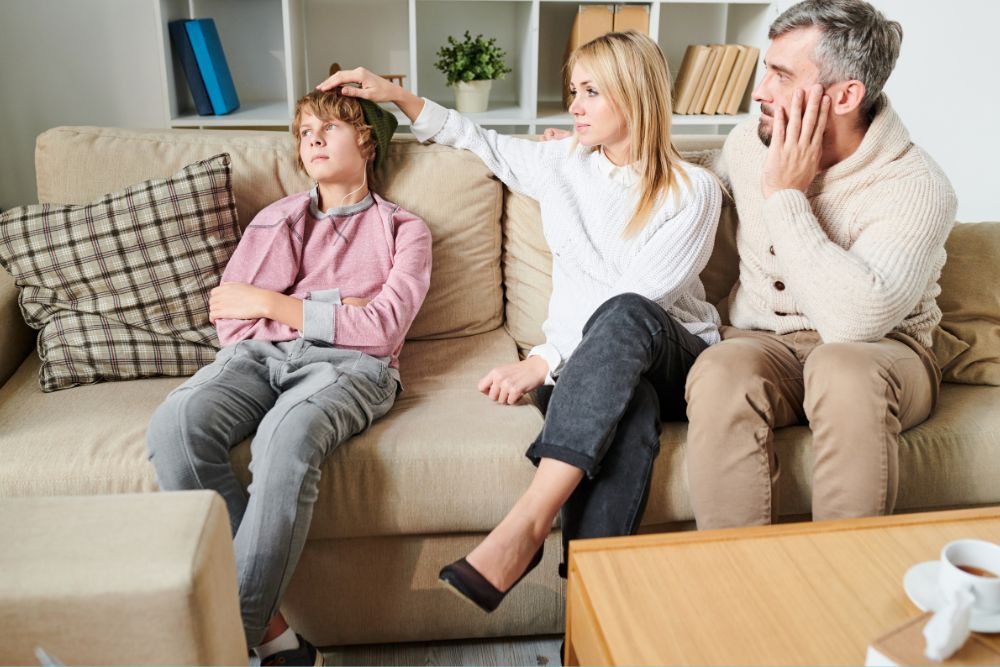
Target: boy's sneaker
<point>305,654</point>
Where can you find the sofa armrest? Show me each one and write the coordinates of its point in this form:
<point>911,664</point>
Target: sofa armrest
<point>17,339</point>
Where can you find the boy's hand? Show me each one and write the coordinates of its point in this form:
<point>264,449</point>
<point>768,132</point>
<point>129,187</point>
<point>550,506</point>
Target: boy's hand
<point>793,157</point>
<point>237,301</point>
<point>552,134</point>
<point>507,384</point>
<point>351,301</point>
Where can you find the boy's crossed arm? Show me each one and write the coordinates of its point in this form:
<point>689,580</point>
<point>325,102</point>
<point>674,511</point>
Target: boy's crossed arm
<point>240,301</point>
<point>252,295</point>
<point>380,326</point>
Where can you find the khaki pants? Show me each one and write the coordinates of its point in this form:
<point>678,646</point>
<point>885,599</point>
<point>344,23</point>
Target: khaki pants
<point>856,398</point>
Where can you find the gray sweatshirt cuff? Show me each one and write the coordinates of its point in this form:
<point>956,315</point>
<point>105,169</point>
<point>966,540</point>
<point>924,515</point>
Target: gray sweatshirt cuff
<point>319,321</point>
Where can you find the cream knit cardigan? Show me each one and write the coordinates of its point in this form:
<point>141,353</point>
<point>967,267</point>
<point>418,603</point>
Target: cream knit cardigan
<point>858,255</point>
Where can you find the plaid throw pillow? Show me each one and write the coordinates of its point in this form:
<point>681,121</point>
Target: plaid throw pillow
<point>119,288</point>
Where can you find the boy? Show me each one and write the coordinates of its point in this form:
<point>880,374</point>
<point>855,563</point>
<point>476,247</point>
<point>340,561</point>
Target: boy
<point>312,312</point>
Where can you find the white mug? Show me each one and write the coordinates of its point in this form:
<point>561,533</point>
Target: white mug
<point>981,557</point>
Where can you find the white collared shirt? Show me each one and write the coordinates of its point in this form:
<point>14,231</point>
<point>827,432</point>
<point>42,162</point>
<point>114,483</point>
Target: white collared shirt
<point>625,175</point>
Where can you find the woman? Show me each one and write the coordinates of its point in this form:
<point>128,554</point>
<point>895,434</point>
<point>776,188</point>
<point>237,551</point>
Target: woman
<point>630,227</point>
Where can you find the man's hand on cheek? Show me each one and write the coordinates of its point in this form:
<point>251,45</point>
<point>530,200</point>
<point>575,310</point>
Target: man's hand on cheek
<point>793,157</point>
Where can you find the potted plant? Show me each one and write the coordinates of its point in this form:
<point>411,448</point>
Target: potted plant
<point>470,66</point>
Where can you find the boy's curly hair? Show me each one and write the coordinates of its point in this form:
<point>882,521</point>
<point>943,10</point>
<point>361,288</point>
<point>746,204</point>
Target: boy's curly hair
<point>331,105</point>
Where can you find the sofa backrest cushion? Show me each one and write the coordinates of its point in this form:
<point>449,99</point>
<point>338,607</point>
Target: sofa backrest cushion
<point>451,189</point>
<point>967,343</point>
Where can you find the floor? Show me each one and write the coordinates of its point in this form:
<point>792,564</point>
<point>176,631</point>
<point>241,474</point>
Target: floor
<point>533,651</point>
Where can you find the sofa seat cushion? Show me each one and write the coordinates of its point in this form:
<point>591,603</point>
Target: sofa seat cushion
<point>948,461</point>
<point>445,458</point>
<point>88,440</point>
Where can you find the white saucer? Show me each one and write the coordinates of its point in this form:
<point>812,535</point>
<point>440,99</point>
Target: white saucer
<point>921,584</point>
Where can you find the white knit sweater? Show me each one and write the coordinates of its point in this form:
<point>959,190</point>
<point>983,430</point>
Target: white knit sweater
<point>584,210</point>
<point>856,256</point>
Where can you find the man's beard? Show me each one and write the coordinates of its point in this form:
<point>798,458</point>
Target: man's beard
<point>764,132</point>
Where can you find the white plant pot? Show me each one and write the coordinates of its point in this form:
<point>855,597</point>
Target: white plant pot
<point>472,96</point>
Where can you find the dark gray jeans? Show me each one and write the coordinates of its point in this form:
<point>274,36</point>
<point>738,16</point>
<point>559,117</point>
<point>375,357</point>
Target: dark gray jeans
<point>603,414</point>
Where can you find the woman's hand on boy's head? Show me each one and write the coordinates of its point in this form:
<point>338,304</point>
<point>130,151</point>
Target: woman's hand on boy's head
<point>370,86</point>
<point>237,301</point>
<point>374,88</point>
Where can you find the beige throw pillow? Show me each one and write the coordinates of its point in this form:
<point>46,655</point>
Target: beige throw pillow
<point>119,288</point>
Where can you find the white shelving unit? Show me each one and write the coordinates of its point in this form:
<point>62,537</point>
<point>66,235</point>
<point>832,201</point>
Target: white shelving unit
<point>262,40</point>
<point>279,49</point>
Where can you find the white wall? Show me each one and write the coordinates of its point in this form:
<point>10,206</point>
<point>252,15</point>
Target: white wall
<point>95,62</point>
<point>947,91</point>
<point>71,62</point>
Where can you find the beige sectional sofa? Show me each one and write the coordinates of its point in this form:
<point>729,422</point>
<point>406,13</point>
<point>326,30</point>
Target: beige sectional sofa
<point>424,484</point>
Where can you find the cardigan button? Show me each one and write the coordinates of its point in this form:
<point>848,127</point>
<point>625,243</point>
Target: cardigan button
<point>778,285</point>
<point>770,249</point>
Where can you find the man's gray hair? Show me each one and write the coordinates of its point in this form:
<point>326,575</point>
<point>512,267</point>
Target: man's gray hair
<point>857,42</point>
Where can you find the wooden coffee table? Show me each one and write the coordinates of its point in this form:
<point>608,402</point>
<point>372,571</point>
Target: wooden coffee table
<point>807,593</point>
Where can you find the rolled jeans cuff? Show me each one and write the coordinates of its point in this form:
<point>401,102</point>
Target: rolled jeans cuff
<point>540,450</point>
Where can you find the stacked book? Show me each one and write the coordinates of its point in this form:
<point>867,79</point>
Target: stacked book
<point>714,79</point>
<point>592,21</point>
<point>198,48</point>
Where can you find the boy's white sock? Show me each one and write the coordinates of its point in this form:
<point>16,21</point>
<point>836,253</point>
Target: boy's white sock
<point>286,641</point>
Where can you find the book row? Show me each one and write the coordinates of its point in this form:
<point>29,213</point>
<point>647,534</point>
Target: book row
<point>713,79</point>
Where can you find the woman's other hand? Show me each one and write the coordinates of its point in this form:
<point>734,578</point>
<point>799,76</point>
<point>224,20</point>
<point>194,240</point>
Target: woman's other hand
<point>507,384</point>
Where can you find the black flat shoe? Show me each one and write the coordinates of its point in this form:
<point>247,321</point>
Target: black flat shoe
<point>465,580</point>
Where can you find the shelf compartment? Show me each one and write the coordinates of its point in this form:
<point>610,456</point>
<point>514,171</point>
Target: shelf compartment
<point>334,35</point>
<point>514,25</point>
<point>255,35</point>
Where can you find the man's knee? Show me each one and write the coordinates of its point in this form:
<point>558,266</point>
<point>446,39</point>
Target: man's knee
<point>842,373</point>
<point>724,373</point>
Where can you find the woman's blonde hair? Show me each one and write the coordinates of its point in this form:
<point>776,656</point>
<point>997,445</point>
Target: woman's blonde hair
<point>631,70</point>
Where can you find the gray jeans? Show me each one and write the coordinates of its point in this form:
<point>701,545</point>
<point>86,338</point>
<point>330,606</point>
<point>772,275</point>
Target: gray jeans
<point>303,399</point>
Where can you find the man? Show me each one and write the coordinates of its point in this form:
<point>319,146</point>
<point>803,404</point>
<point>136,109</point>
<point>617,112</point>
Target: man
<point>841,241</point>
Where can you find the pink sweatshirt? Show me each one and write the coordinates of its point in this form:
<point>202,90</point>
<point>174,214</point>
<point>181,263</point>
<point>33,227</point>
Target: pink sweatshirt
<point>371,250</point>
